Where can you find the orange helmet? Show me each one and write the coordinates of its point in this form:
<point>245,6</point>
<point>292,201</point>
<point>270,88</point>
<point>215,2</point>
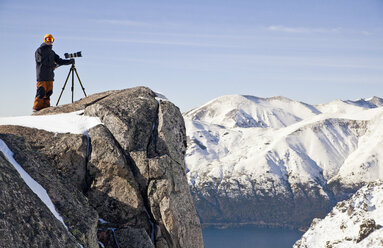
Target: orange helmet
<point>48,38</point>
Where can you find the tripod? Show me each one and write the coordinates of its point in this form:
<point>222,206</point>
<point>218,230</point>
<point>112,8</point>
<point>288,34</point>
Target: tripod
<point>72,70</point>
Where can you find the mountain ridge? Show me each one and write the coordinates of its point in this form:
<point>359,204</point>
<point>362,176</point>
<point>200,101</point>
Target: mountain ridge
<point>292,160</point>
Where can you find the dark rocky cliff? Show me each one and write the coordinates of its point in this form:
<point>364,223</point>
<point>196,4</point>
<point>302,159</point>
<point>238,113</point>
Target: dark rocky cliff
<point>123,184</point>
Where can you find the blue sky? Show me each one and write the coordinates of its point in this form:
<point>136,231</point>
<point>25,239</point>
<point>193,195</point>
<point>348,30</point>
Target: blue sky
<point>194,51</point>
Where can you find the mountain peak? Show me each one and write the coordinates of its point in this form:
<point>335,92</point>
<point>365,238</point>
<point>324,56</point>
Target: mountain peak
<point>251,111</point>
<point>280,98</point>
<point>371,102</point>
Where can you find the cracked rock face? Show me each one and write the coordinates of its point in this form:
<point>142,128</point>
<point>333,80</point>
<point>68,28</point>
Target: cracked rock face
<point>64,192</point>
<point>66,152</point>
<point>153,135</point>
<point>113,192</point>
<point>130,172</point>
<point>129,115</point>
<point>24,220</point>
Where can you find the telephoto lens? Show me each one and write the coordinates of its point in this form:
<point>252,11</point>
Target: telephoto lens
<point>72,55</point>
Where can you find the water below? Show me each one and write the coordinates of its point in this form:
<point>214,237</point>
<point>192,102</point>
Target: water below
<point>250,237</point>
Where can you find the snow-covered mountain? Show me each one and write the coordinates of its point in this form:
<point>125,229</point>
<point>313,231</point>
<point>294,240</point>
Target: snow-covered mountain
<point>276,161</point>
<point>356,222</point>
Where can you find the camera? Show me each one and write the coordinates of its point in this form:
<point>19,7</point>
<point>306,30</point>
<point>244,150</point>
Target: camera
<point>72,55</point>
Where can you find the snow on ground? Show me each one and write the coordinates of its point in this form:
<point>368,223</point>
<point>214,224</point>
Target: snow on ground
<point>355,223</point>
<point>160,96</point>
<point>74,122</point>
<point>32,184</point>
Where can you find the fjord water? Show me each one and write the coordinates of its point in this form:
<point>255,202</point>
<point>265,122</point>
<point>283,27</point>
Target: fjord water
<point>250,237</point>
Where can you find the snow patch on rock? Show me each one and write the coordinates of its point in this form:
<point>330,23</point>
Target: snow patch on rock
<point>74,122</point>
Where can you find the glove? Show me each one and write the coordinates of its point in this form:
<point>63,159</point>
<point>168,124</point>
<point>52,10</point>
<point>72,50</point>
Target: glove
<point>71,61</point>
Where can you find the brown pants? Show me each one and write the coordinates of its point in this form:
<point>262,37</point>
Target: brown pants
<point>44,91</point>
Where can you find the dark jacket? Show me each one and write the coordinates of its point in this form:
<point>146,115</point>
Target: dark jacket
<point>46,62</point>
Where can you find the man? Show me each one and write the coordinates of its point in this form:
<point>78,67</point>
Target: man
<point>46,61</point>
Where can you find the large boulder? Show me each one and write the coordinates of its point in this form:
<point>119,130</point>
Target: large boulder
<point>152,132</point>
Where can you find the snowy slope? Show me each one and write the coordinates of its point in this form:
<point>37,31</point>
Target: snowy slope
<point>297,152</point>
<point>365,163</point>
<point>356,222</point>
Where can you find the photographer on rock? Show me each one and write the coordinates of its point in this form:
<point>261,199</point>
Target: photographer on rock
<point>46,61</point>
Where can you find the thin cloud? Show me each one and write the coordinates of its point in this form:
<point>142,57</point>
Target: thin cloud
<point>297,61</point>
<point>308,30</point>
<point>134,23</point>
<point>124,23</point>
<point>153,42</point>
<point>285,29</point>
<point>341,80</point>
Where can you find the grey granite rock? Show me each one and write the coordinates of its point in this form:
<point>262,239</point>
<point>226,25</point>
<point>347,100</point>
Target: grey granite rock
<point>67,153</point>
<point>113,192</point>
<point>76,106</point>
<point>129,115</point>
<point>133,237</point>
<point>153,134</point>
<point>25,221</point>
<point>73,206</point>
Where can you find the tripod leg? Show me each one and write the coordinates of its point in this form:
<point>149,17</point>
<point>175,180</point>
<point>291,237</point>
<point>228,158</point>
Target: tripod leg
<point>82,87</point>
<point>64,86</point>
<point>72,82</point>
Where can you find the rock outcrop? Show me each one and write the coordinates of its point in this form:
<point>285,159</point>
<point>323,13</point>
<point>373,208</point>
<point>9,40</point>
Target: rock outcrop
<point>123,183</point>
